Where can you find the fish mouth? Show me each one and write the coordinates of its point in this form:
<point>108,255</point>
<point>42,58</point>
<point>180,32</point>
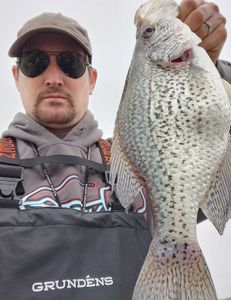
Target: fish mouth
<point>186,56</point>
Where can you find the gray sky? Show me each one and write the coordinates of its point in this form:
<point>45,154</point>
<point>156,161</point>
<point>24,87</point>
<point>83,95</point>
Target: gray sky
<point>112,33</point>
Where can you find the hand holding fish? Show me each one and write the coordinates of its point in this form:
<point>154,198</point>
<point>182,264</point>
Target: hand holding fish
<point>205,19</point>
<point>172,138</point>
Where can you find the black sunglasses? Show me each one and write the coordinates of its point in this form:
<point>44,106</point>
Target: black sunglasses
<point>33,63</point>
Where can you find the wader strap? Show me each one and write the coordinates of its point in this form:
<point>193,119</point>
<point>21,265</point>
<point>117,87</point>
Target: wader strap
<point>52,159</point>
<point>105,150</point>
<point>10,176</point>
<point>8,148</point>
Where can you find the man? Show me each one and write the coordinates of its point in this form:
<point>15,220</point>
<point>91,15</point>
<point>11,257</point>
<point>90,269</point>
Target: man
<point>54,77</point>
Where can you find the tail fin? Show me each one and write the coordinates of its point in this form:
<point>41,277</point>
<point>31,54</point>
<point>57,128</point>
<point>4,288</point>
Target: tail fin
<point>174,272</point>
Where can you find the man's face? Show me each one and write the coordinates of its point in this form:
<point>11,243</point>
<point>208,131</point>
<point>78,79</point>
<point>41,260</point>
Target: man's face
<point>52,98</point>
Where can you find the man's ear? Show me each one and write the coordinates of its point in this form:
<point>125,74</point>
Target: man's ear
<point>15,72</point>
<point>92,79</point>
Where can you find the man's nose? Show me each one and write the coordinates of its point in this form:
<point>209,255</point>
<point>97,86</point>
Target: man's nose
<point>53,74</point>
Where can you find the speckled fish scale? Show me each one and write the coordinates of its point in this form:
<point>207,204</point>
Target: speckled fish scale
<point>172,138</point>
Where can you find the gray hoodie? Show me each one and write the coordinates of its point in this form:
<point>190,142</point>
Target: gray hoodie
<point>74,190</point>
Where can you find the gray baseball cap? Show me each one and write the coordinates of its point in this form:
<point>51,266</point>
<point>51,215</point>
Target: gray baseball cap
<point>51,22</point>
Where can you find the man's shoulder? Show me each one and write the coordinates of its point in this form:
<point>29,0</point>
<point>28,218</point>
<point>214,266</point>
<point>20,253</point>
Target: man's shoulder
<point>224,69</point>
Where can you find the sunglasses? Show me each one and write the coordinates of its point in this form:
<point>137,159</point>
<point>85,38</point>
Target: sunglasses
<point>35,62</point>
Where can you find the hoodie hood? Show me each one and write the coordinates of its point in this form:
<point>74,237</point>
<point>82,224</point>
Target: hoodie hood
<point>83,135</point>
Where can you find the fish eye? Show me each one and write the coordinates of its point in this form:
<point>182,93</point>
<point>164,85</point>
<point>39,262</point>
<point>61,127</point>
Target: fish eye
<point>148,31</point>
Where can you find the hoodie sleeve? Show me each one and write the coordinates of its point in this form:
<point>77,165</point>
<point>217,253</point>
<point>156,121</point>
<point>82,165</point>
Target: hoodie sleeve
<point>224,68</point>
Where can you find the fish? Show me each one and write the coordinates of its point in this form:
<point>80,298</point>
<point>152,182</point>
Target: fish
<point>171,138</point>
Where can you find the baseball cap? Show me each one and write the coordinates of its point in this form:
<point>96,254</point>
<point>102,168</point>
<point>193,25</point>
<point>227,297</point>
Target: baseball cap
<point>51,22</point>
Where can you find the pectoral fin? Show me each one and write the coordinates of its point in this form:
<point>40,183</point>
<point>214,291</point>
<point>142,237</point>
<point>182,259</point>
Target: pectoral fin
<point>122,178</point>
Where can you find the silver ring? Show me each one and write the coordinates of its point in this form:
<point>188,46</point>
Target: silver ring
<point>209,26</point>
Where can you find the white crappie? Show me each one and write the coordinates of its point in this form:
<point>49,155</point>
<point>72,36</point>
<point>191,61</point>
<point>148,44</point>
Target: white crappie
<point>172,137</point>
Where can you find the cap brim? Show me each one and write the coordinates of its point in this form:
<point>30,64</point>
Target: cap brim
<point>16,48</point>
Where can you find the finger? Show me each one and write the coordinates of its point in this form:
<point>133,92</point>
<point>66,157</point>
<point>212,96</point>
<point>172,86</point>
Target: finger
<point>216,38</point>
<point>216,21</point>
<point>196,18</point>
<point>187,7</point>
<point>214,42</point>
